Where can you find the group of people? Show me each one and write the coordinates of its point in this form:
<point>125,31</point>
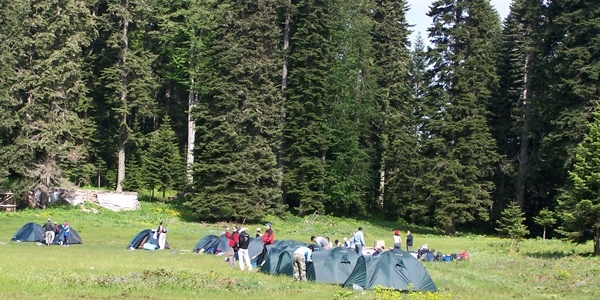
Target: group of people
<point>239,240</point>
<point>51,230</point>
<point>357,241</point>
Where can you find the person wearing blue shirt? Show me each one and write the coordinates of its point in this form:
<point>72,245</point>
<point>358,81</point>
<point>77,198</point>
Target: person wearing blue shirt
<point>359,241</point>
<point>66,230</point>
<point>302,256</point>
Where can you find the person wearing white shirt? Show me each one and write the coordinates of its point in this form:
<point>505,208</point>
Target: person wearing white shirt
<point>397,239</point>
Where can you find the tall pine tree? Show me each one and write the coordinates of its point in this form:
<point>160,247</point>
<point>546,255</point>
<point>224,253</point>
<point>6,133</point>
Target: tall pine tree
<point>460,148</point>
<point>307,137</point>
<point>47,133</point>
<point>236,175</point>
<point>579,202</point>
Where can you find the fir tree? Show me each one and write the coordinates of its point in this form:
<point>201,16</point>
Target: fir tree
<point>511,223</point>
<point>45,94</point>
<point>397,128</point>
<point>579,202</point>
<point>545,218</point>
<point>126,83</point>
<point>236,174</point>
<point>307,136</point>
<point>459,147</point>
<point>163,165</point>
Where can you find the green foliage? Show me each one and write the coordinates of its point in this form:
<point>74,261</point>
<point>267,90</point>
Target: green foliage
<point>458,148</point>
<point>511,223</point>
<point>579,203</point>
<point>46,96</point>
<point>382,293</point>
<point>545,218</point>
<point>164,168</point>
<point>236,175</point>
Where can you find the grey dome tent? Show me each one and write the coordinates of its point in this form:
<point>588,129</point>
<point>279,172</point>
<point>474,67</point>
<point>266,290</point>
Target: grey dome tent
<point>144,236</point>
<point>30,232</point>
<point>74,237</point>
<point>208,243</point>
<point>332,266</point>
<point>270,260</point>
<point>394,269</point>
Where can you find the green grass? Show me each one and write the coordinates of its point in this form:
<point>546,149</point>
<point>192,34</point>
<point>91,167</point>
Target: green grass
<point>103,269</point>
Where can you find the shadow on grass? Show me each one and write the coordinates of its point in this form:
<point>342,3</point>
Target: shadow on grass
<point>557,254</point>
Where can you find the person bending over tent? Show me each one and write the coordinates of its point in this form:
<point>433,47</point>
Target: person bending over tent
<point>321,242</point>
<point>302,256</point>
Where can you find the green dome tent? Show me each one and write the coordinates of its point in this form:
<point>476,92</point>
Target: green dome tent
<point>332,266</point>
<point>74,237</point>
<point>208,243</point>
<point>30,232</point>
<point>395,269</point>
<point>144,236</point>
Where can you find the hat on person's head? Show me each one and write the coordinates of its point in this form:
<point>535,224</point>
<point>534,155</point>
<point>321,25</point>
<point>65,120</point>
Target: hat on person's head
<point>258,229</point>
<point>55,222</point>
<point>243,229</point>
<point>268,224</point>
<point>48,219</point>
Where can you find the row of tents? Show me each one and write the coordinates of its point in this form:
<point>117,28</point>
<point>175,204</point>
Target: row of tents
<point>33,232</point>
<point>394,269</point>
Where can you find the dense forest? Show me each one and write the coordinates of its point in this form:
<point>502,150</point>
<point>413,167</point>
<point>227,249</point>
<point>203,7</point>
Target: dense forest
<point>270,106</point>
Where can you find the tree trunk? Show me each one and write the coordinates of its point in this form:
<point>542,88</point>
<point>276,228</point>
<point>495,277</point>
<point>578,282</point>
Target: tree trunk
<point>523,172</point>
<point>284,80</point>
<point>597,243</point>
<point>544,235</point>
<point>191,138</point>
<point>123,128</point>
<point>381,182</point>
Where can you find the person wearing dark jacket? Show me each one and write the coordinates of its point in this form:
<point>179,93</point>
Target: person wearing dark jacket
<point>49,231</point>
<point>268,237</point>
<point>233,245</point>
<point>243,242</point>
<point>409,241</point>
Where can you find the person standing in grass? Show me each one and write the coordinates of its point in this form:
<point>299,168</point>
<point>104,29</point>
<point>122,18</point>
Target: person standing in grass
<point>49,232</point>
<point>233,245</point>
<point>66,231</point>
<point>161,236</point>
<point>302,256</point>
<point>243,242</point>
<point>359,241</point>
<point>269,236</point>
<point>409,241</point>
<point>397,240</point>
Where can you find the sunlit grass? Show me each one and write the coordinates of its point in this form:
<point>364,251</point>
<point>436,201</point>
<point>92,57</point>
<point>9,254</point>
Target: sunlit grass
<point>102,268</point>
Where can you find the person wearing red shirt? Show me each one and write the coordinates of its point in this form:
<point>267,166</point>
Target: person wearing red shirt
<point>268,237</point>
<point>233,244</point>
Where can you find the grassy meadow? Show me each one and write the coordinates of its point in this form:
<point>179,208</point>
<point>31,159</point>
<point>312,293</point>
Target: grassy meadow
<point>102,268</point>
